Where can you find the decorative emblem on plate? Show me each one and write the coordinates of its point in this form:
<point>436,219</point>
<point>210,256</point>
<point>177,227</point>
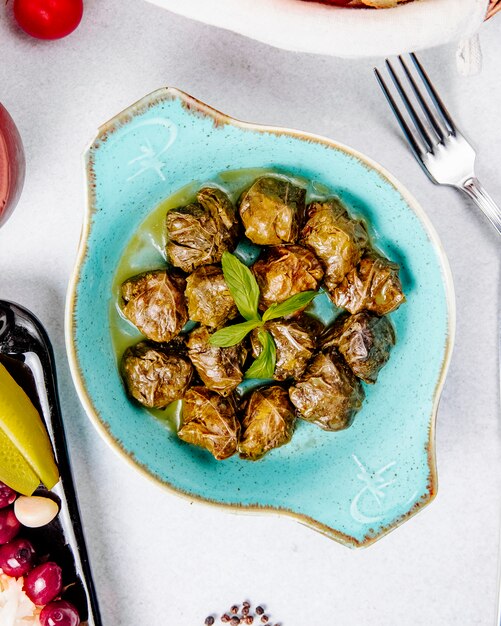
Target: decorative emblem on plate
<point>368,505</point>
<point>154,146</point>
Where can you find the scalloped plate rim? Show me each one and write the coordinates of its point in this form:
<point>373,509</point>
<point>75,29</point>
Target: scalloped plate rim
<point>199,107</point>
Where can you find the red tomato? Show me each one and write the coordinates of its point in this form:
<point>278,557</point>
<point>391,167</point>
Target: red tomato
<point>48,19</point>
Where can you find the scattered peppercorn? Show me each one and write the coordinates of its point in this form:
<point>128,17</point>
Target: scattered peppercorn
<point>245,615</point>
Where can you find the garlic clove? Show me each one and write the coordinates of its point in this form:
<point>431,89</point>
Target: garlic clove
<point>35,511</point>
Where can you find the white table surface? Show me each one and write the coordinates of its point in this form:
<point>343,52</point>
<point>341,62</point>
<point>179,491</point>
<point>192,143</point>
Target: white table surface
<point>159,560</point>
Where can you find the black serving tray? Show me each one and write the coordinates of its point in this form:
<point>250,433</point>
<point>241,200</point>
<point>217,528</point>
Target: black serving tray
<point>26,352</point>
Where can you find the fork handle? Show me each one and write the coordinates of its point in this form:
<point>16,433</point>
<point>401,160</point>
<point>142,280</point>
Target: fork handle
<point>474,189</point>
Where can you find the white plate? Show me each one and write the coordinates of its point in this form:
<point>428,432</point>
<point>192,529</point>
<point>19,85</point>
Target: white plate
<point>311,27</point>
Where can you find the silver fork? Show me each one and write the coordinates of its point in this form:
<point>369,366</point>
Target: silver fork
<point>436,142</point>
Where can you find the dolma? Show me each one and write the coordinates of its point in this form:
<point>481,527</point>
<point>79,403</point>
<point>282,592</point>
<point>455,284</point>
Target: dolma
<point>199,233</point>
<point>219,368</point>
<point>272,211</point>
<point>154,302</point>
<point>295,344</point>
<point>155,376</point>
<point>337,240</point>
<point>364,340</point>
<point>268,422</point>
<point>374,285</point>
<point>208,297</point>
<point>209,421</point>
<point>328,394</point>
<point>283,271</point>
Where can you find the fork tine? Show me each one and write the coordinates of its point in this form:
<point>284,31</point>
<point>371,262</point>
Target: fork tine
<point>409,135</point>
<point>422,102</point>
<point>423,133</point>
<point>439,105</point>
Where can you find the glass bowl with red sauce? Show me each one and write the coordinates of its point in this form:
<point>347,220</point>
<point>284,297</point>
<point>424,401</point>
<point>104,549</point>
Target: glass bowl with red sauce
<point>12,165</point>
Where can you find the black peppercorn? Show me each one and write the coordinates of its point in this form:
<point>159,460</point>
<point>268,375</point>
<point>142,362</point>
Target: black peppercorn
<point>243,614</point>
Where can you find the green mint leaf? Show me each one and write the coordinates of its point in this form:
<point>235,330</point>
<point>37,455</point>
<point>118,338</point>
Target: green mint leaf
<point>230,335</point>
<point>242,285</point>
<point>289,306</point>
<point>264,365</point>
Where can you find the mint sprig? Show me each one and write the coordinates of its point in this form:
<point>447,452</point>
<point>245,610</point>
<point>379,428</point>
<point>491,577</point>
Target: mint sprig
<point>242,285</point>
<point>245,292</point>
<point>289,306</point>
<point>230,335</point>
<point>264,365</point>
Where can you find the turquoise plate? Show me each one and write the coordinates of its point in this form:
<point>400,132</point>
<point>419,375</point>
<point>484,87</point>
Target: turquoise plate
<point>355,485</point>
